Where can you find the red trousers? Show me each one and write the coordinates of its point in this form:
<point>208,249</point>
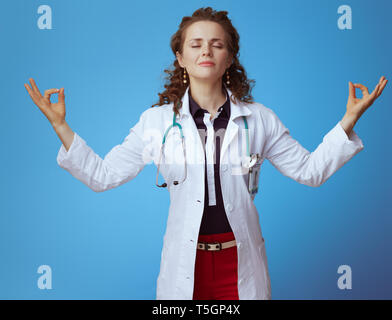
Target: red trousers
<point>216,271</point>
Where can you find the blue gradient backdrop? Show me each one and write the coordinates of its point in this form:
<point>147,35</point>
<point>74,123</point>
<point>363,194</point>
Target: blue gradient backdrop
<point>110,56</point>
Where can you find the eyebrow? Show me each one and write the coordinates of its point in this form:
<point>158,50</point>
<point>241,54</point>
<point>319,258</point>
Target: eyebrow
<point>212,40</point>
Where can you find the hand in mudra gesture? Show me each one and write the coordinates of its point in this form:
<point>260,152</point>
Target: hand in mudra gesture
<point>54,112</point>
<point>356,106</point>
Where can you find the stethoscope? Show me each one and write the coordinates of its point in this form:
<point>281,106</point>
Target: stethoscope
<point>248,162</point>
<point>175,123</point>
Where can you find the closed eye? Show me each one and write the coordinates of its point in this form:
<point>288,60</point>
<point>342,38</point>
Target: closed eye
<point>214,46</point>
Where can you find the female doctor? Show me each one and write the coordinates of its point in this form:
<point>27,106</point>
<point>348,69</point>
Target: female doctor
<point>208,140</point>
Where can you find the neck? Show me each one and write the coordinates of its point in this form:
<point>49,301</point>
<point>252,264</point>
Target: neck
<point>208,96</point>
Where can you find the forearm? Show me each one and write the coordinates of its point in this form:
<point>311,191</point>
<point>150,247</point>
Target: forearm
<point>65,134</point>
<point>348,122</point>
<point>120,165</point>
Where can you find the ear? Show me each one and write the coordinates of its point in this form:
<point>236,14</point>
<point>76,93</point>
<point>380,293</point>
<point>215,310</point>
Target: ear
<point>179,58</point>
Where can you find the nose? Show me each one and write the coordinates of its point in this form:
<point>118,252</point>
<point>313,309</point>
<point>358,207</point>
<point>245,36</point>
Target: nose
<point>206,50</point>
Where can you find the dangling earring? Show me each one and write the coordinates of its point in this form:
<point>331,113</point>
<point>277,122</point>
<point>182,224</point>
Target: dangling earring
<point>227,78</point>
<point>184,80</point>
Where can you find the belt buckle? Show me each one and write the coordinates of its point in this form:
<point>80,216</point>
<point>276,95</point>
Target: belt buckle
<point>214,243</point>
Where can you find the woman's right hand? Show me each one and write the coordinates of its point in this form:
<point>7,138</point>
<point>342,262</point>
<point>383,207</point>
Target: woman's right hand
<point>54,112</point>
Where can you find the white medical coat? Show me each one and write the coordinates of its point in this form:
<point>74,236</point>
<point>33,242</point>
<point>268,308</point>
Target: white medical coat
<point>268,137</point>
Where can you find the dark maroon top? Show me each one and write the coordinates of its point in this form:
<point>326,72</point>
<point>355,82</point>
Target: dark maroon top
<point>214,217</point>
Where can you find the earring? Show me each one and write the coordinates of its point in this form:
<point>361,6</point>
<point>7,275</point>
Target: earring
<point>227,78</point>
<point>184,80</point>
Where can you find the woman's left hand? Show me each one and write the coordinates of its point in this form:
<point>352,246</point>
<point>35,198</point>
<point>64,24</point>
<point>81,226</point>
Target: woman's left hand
<point>355,106</point>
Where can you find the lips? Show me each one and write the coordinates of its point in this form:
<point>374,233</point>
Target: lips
<point>207,63</point>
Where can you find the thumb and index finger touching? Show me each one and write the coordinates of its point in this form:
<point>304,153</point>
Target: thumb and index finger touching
<point>36,94</point>
<point>365,92</point>
<point>49,92</point>
<point>352,88</point>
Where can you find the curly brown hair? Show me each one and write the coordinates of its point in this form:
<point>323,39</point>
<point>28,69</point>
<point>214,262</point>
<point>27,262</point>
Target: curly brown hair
<point>240,85</point>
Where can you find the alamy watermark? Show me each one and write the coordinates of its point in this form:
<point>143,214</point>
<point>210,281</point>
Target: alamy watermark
<point>44,281</point>
<point>345,280</point>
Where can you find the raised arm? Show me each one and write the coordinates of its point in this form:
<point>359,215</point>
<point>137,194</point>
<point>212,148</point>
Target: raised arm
<point>121,164</point>
<point>310,168</point>
<point>339,145</point>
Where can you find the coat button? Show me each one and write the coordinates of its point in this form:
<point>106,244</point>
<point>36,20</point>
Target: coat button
<point>224,167</point>
<point>229,207</point>
<point>210,173</point>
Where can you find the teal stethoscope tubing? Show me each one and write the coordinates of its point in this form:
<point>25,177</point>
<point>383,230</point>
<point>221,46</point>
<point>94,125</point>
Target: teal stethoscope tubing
<point>175,123</point>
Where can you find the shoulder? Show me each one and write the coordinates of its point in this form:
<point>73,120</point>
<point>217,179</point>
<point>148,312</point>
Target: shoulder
<point>157,115</point>
<point>259,109</point>
<point>152,121</point>
<point>267,117</point>
<point>157,111</point>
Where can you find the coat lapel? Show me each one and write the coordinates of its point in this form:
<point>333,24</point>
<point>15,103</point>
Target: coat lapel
<point>186,119</point>
<point>237,110</point>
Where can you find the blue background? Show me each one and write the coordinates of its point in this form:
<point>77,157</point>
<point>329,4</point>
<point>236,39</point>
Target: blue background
<point>110,56</point>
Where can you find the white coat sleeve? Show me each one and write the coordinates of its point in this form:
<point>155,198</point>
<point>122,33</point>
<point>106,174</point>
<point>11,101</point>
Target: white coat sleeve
<point>297,163</point>
<point>120,165</point>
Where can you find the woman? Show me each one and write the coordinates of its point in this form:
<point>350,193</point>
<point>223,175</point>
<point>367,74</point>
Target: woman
<point>213,246</point>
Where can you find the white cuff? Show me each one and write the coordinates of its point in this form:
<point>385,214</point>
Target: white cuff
<point>338,137</point>
<point>63,155</point>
